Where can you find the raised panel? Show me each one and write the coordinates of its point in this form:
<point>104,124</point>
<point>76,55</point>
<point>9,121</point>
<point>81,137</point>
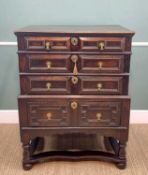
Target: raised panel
<point>49,63</point>
<point>109,43</point>
<point>45,85</point>
<point>101,63</point>
<point>47,113</point>
<point>103,85</point>
<point>40,43</point>
<point>93,113</point>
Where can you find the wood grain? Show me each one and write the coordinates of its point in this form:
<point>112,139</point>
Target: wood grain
<point>61,69</point>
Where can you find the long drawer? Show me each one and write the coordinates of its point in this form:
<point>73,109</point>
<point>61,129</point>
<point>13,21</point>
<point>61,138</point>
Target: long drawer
<point>107,43</point>
<point>64,63</point>
<point>73,110</point>
<point>89,85</point>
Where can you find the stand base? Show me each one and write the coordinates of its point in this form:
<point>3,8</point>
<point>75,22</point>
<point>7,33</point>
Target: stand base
<point>74,148</point>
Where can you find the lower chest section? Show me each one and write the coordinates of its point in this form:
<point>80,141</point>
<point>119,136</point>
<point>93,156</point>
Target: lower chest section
<point>73,111</point>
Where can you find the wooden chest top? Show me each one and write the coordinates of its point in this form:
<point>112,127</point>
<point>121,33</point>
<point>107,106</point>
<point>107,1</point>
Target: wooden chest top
<point>99,29</point>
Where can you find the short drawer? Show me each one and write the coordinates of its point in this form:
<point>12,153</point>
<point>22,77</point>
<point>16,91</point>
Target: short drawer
<point>50,63</point>
<point>103,44</point>
<point>101,63</point>
<point>46,43</point>
<point>45,84</point>
<point>107,85</point>
<point>88,111</point>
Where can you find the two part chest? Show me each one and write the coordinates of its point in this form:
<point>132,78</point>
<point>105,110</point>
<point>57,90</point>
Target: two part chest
<point>73,79</point>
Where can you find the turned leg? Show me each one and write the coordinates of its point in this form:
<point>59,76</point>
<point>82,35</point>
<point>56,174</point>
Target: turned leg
<point>122,156</point>
<point>26,157</point>
<point>40,143</point>
<point>37,144</point>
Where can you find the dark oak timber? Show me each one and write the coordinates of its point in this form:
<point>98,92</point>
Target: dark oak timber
<point>74,102</point>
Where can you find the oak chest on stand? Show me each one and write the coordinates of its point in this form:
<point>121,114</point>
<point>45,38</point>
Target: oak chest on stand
<point>74,87</point>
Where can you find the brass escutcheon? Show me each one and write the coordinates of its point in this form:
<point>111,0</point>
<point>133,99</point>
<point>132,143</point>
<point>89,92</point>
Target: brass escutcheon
<point>74,80</point>
<point>74,105</point>
<point>74,41</point>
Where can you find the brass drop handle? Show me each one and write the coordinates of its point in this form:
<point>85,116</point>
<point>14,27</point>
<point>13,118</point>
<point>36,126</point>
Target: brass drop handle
<point>74,105</point>
<point>48,64</point>
<point>49,115</point>
<point>74,59</point>
<point>100,64</point>
<point>74,80</point>
<point>48,45</point>
<point>99,116</point>
<point>101,46</point>
<point>74,41</point>
<point>99,86</point>
<point>48,85</point>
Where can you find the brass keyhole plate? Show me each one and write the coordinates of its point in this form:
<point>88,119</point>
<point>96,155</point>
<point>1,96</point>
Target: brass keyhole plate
<point>74,41</point>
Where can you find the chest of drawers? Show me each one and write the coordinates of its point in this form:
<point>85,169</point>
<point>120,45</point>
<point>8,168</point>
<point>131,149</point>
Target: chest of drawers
<point>74,80</point>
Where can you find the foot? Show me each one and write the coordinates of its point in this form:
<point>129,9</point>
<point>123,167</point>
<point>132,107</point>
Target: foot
<point>27,166</point>
<point>121,165</point>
